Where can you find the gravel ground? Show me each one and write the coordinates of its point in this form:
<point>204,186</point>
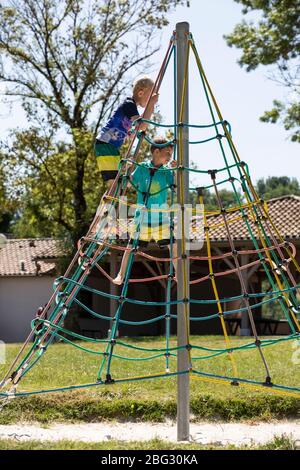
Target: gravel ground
<point>202,432</point>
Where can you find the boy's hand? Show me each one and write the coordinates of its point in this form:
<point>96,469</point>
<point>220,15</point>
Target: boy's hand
<point>173,164</point>
<point>154,98</point>
<point>128,165</point>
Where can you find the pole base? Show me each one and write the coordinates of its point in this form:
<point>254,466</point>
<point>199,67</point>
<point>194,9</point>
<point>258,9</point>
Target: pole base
<point>109,380</point>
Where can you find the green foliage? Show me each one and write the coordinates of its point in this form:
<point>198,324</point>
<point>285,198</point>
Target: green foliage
<point>276,186</point>
<point>273,40</point>
<point>7,204</point>
<point>227,197</point>
<point>288,115</point>
<point>43,176</point>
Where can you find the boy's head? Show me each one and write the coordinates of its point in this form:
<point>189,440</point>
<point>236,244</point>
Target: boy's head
<point>141,90</point>
<point>161,155</point>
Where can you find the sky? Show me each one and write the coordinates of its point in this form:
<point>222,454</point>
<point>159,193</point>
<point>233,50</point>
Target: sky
<point>242,96</point>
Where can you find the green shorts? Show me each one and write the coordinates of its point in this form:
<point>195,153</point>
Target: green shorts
<point>108,159</point>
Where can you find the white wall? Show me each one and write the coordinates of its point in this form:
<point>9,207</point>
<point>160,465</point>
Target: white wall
<point>20,297</point>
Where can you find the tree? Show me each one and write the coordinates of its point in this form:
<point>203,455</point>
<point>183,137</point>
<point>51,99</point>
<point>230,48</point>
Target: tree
<point>228,199</point>
<point>276,186</point>
<point>44,184</point>
<point>273,40</point>
<point>7,204</point>
<point>70,61</point>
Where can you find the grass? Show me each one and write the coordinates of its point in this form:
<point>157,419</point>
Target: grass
<point>278,443</point>
<point>152,400</point>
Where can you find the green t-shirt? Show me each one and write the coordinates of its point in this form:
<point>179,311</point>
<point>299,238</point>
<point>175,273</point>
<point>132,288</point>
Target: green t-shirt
<point>157,185</point>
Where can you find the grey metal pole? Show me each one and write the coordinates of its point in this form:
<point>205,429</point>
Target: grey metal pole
<point>183,381</point>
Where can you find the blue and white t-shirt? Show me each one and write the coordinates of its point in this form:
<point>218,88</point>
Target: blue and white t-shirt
<point>116,129</point>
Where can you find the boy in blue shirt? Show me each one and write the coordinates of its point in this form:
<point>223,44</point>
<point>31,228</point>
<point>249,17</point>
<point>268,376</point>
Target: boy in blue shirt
<point>113,134</point>
<point>153,186</point>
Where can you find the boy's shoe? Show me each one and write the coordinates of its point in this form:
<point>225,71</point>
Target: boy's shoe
<point>118,280</point>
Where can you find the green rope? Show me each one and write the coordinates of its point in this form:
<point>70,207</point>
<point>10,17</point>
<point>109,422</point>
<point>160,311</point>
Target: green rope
<point>176,302</point>
<point>174,125</point>
<point>238,197</point>
<point>192,170</point>
<point>70,287</point>
<point>64,330</point>
<point>94,384</point>
<point>254,382</point>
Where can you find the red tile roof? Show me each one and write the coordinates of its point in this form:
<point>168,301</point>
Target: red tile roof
<point>284,212</point>
<point>24,257</point>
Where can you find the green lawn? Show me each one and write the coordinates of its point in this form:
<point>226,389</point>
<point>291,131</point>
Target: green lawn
<point>279,443</point>
<point>63,365</point>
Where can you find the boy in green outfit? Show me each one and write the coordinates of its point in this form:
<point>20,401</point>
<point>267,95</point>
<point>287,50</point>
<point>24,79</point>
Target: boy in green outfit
<point>153,180</point>
<point>113,134</point>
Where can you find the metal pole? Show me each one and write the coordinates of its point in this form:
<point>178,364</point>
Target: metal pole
<point>183,382</point>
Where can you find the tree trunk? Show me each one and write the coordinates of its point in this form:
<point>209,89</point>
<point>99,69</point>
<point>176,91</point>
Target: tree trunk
<point>80,207</point>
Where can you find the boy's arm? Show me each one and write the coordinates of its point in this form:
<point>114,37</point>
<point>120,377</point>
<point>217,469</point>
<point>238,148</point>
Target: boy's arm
<point>131,133</point>
<point>173,164</point>
<point>148,113</point>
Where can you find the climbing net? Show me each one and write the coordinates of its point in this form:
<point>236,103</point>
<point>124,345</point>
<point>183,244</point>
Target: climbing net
<point>270,253</point>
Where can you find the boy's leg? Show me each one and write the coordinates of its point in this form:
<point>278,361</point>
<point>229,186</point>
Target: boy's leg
<point>100,212</point>
<point>95,223</point>
<point>109,184</point>
<point>162,232</point>
<point>108,178</point>
<point>108,159</point>
<point>121,275</point>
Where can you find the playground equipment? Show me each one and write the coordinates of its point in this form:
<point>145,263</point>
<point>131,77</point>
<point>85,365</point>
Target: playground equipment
<point>272,252</point>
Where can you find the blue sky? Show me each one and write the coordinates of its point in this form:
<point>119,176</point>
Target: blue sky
<point>242,96</point>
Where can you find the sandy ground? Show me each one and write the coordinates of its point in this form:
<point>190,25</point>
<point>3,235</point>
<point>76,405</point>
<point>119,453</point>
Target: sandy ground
<point>203,433</point>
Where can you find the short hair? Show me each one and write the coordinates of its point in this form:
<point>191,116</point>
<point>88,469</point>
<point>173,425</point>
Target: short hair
<point>141,83</point>
<point>158,141</point>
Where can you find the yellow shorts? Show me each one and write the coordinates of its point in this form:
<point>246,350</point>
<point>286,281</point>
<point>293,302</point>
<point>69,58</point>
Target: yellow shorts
<point>108,162</point>
<point>148,233</point>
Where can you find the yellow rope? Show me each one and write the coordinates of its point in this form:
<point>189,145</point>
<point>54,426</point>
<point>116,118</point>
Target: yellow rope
<point>278,281</point>
<point>228,210</point>
<point>216,293</point>
<point>140,207</point>
<point>259,388</point>
<point>266,212</point>
<point>222,224</point>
